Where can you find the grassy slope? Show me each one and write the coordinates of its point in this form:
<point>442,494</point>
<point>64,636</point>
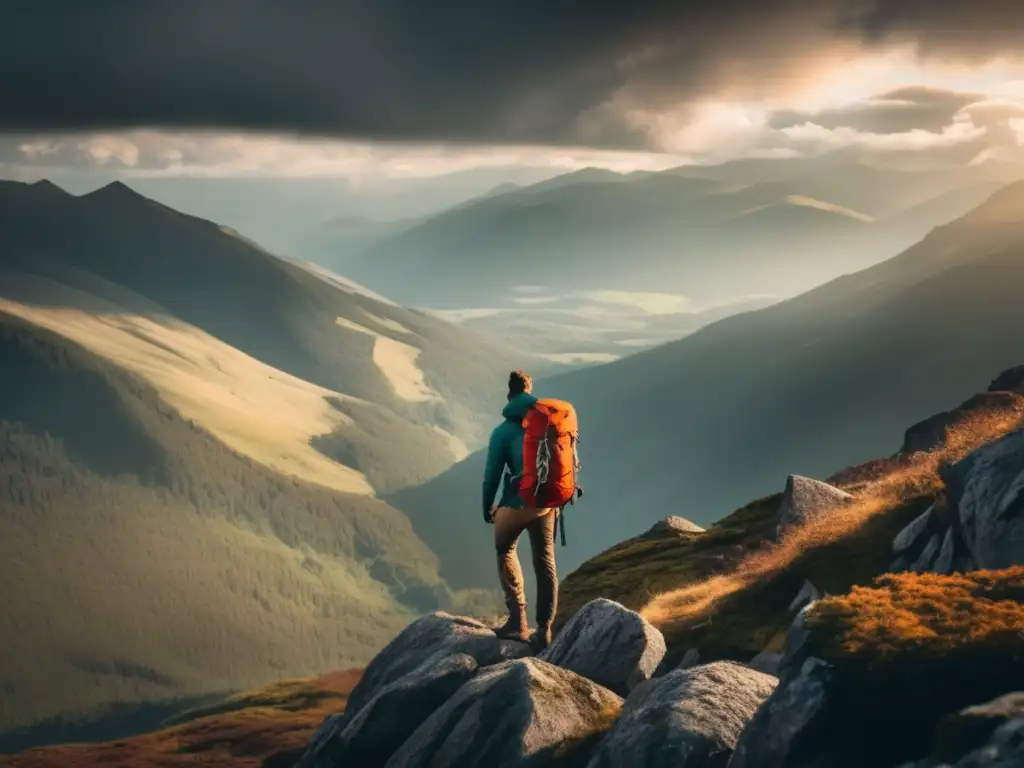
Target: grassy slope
<point>263,728</point>
<point>726,592</point>
<point>142,560</point>
<point>277,312</point>
<point>729,411</point>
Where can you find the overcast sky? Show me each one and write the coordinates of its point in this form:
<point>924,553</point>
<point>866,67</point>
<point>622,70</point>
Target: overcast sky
<point>404,87</point>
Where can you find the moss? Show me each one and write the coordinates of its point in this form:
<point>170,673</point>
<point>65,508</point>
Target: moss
<point>635,570</point>
<point>913,648</point>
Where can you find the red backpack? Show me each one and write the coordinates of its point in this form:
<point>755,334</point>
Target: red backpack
<point>550,456</point>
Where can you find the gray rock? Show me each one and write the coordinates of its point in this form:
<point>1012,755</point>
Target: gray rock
<point>690,659</point>
<point>433,635</point>
<point>927,557</point>
<point>985,736</point>
<point>766,662</point>
<point>794,649</point>
<point>909,536</point>
<point>808,594</point>
<point>687,719</point>
<point>1005,748</point>
<point>519,713</point>
<point>384,723</point>
<point>987,489</point>
<point>609,644</point>
<point>805,499</point>
<point>675,523</point>
<point>944,562</point>
<point>774,737</point>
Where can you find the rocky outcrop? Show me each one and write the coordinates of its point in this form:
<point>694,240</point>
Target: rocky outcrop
<point>987,490</point>
<point>609,644</point>
<point>370,736</point>
<point>944,562</point>
<point>805,499</point>
<point>916,531</point>
<point>687,719</point>
<point>927,557</point>
<point>519,713</point>
<point>795,649</point>
<point>437,635</point>
<point>674,523</point>
<point>1011,380</point>
<point>933,432</point>
<point>778,733</point>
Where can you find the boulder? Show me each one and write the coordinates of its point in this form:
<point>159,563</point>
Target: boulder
<point>987,490</point>
<point>805,499</point>
<point>369,737</point>
<point>519,713</point>
<point>674,523</point>
<point>436,635</point>
<point>778,732</point>
<point>687,719</point>
<point>914,532</point>
<point>609,644</point>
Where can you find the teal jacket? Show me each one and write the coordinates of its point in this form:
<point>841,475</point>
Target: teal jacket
<point>505,451</point>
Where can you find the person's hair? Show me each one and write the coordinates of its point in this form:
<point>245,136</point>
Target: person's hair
<point>518,383</point>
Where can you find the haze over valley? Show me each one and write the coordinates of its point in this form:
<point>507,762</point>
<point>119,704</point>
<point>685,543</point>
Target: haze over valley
<point>264,275</point>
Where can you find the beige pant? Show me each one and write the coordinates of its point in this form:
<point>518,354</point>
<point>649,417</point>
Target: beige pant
<point>539,524</point>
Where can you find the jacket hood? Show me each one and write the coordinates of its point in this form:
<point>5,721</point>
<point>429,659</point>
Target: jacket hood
<point>517,407</point>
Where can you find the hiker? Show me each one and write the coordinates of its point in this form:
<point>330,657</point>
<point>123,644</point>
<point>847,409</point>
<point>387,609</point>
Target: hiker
<point>511,516</point>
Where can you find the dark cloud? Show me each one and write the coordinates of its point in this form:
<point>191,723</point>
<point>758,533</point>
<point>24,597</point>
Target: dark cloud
<point>899,111</point>
<point>512,70</point>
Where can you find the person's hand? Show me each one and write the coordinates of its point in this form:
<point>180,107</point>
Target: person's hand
<point>489,515</point>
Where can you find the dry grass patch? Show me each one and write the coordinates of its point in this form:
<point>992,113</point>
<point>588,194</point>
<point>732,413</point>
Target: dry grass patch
<point>637,570</point>
<point>928,617</point>
<point>911,649</point>
<point>265,728</point>
<point>907,482</point>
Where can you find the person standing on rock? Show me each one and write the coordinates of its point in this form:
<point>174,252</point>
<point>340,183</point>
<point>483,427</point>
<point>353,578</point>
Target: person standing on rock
<point>511,517</point>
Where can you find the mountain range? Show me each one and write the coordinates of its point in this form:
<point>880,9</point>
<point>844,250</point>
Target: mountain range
<point>696,426</point>
<point>711,233</point>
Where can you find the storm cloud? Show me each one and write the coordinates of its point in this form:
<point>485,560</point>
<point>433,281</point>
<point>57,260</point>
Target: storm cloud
<point>514,71</point>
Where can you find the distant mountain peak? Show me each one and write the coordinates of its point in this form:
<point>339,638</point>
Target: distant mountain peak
<point>46,186</point>
<point>1004,207</point>
<point>115,190</point>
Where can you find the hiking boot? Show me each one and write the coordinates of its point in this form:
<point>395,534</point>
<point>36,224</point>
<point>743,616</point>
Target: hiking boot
<point>515,627</point>
<point>541,638</point>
